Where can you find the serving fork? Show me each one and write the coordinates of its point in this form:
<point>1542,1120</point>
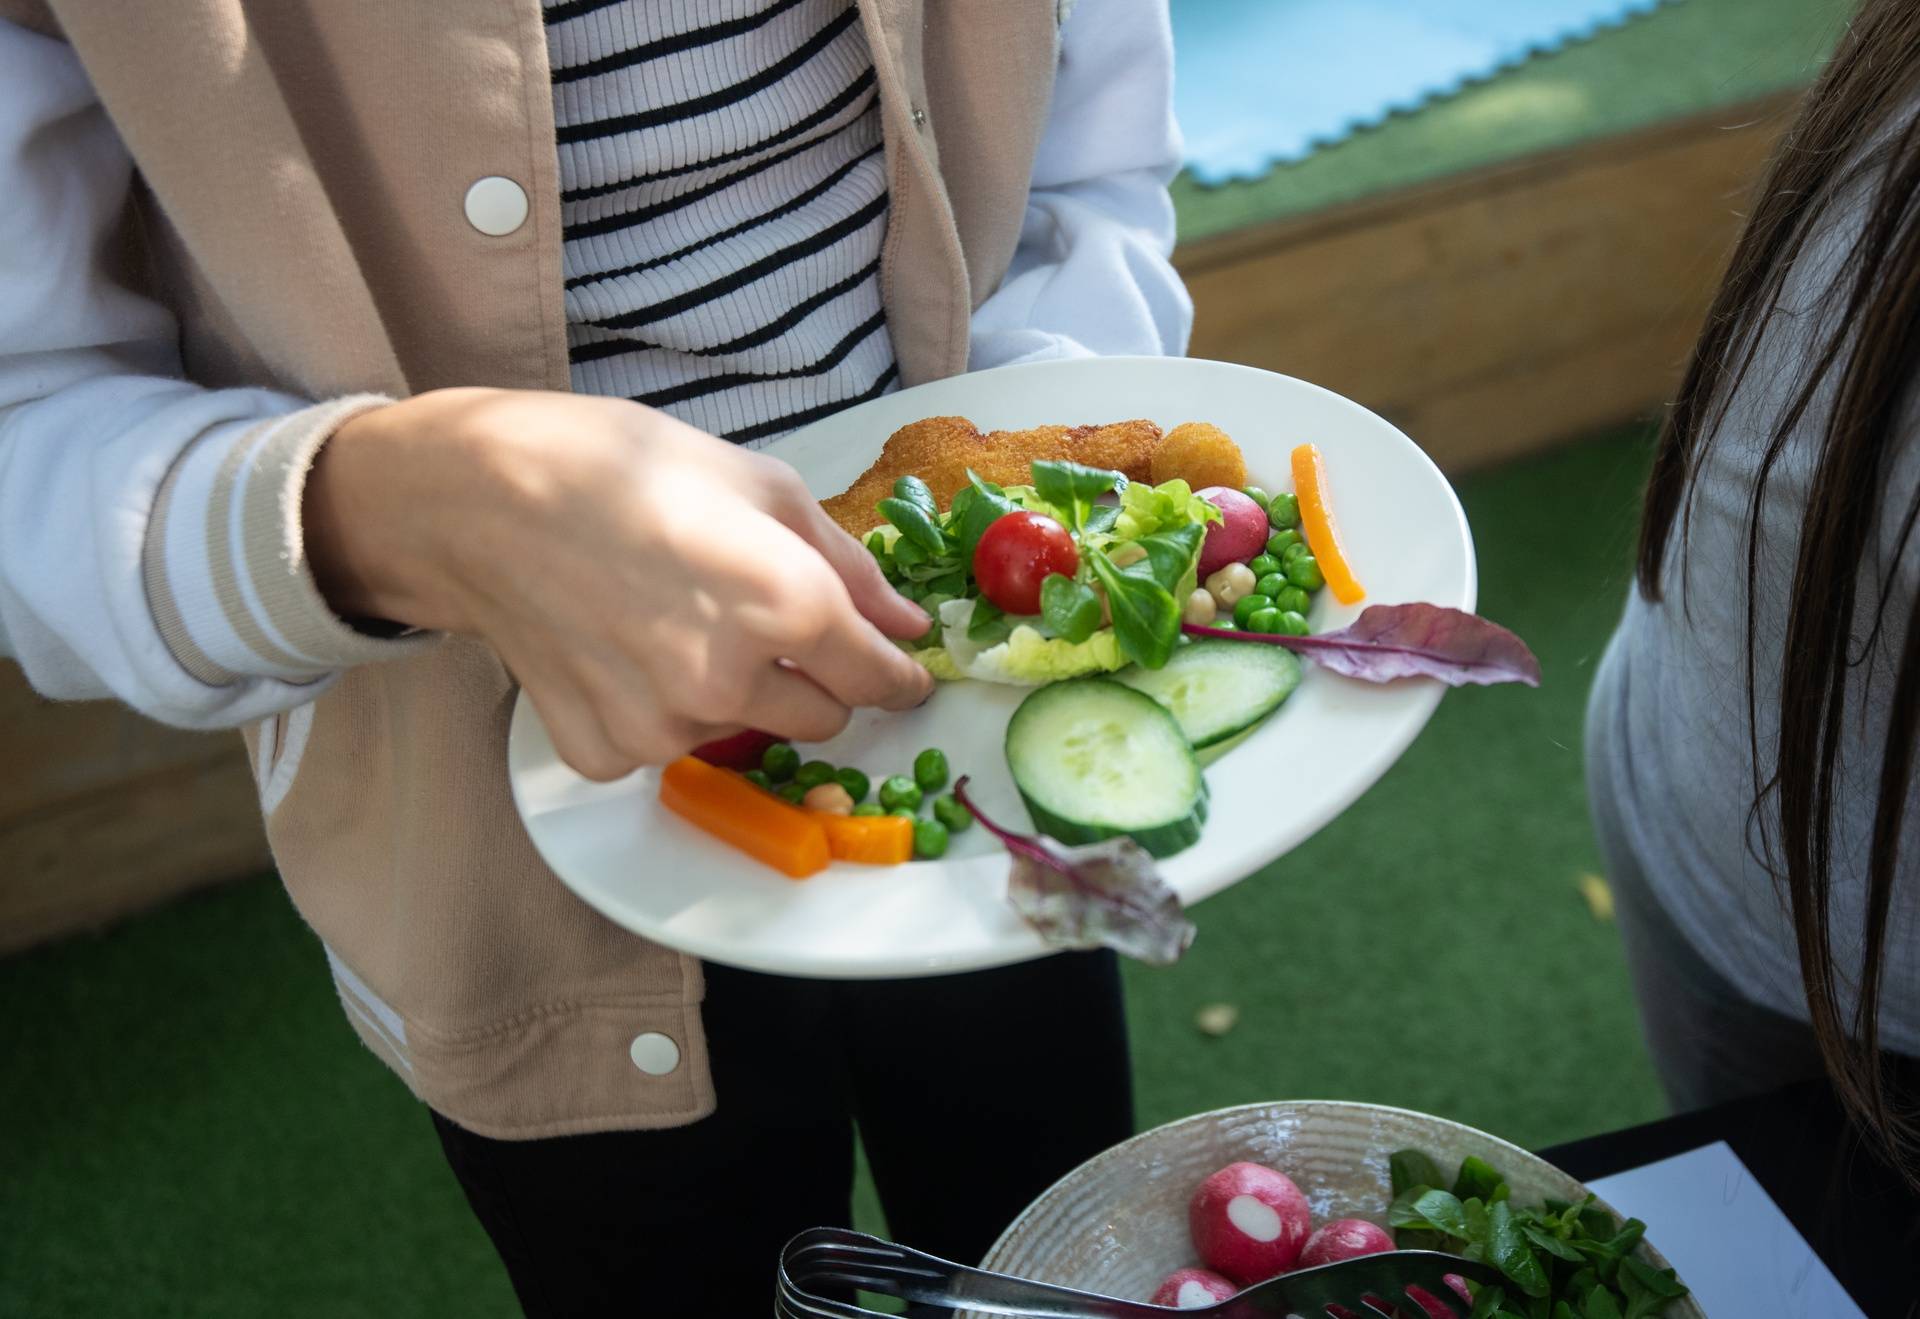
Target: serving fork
<point>1398,1284</point>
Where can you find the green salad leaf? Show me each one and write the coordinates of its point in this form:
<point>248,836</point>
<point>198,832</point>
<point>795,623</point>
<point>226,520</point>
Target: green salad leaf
<point>1171,555</point>
<point>989,624</point>
<point>978,506</point>
<point>1431,1210</point>
<point>1477,1178</point>
<point>1412,1168</point>
<point>912,490</point>
<point>1508,1251</point>
<point>916,524</point>
<point>1069,607</point>
<point>1559,1261</point>
<point>1146,619</point>
<point>1072,488</point>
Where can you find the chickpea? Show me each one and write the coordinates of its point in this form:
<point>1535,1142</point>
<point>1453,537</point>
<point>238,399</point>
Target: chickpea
<point>1226,585</point>
<point>828,797</point>
<point>1130,553</point>
<point>1200,609</point>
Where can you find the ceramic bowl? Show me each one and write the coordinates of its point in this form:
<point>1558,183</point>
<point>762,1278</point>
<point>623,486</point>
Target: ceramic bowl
<point>1117,1224</point>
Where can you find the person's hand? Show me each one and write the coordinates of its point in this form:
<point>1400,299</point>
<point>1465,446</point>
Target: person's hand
<point>650,586</point>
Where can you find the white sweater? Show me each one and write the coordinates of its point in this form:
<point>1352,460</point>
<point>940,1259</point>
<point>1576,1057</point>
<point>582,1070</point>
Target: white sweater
<point>1091,276</point>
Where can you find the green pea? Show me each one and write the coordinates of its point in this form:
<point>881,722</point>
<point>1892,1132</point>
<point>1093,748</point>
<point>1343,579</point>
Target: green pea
<point>906,812</point>
<point>1283,511</point>
<point>1304,572</point>
<point>868,808</point>
<point>951,813</point>
<point>758,778</point>
<point>929,839</point>
<point>1223,625</point>
<point>1263,563</point>
<point>1293,600</point>
<point>1244,607</point>
<point>1270,585</point>
<point>814,773</point>
<point>930,769</point>
<point>1258,496</point>
<point>779,762</point>
<point>1293,552</point>
<point>1264,620</point>
<point>899,793</point>
<point>1291,623</point>
<point>1277,543</point>
<point>792,792</point>
<point>856,783</point>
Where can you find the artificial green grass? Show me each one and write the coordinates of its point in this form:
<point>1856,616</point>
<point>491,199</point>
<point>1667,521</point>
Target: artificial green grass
<point>1686,58</point>
<point>188,1126</point>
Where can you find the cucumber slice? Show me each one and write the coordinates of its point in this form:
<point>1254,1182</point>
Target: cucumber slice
<point>1217,689</point>
<point>1094,759</point>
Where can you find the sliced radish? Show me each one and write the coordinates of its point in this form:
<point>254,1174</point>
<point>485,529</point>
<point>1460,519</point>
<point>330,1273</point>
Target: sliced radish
<point>1249,1222</point>
<point>1193,1289</point>
<point>1343,1238</point>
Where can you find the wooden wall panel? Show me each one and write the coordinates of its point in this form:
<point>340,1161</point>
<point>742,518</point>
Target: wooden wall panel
<point>1497,312</point>
<point>103,813</point>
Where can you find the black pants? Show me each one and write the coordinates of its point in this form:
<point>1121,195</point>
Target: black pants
<point>972,1092</point>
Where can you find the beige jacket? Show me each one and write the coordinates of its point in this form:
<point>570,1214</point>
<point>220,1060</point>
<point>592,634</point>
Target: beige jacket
<point>301,172</point>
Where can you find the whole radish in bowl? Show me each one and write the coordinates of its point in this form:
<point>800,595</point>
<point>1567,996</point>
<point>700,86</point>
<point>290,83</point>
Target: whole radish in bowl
<point>1344,1238</point>
<point>1249,1222</point>
<point>1193,1289</point>
<point>1240,533</point>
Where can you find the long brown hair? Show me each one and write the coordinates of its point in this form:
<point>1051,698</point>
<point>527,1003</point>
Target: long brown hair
<point>1863,100</point>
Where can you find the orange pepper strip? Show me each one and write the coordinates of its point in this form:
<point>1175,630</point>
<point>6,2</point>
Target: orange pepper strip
<point>876,840</point>
<point>1316,519</point>
<point>743,816</point>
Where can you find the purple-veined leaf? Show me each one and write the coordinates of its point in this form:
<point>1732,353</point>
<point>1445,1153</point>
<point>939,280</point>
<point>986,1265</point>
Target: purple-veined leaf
<point>1409,641</point>
<point>1103,895</point>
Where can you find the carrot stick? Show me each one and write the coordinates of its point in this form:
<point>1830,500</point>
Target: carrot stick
<point>875,840</point>
<point>1316,519</point>
<point>741,815</point>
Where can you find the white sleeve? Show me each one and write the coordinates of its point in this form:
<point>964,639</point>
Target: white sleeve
<point>149,529</point>
<point>1091,275</point>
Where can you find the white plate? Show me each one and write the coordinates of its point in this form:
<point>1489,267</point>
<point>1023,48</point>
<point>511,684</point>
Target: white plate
<point>647,869</point>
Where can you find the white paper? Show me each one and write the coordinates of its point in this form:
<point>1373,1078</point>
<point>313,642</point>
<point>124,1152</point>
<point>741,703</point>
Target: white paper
<point>1729,1242</point>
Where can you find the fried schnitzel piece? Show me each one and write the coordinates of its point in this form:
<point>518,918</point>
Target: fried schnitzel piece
<point>1124,446</point>
<point>1202,455</point>
<point>939,450</point>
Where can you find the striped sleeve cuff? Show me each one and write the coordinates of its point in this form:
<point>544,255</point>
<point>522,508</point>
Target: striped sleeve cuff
<point>224,560</point>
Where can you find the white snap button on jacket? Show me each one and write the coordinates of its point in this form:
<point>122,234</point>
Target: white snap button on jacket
<point>496,206</point>
<point>654,1053</point>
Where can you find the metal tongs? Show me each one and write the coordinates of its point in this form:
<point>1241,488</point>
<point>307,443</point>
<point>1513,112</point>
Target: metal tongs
<point>1398,1284</point>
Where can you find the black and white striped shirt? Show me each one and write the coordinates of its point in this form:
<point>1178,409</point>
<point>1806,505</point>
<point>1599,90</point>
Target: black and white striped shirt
<point>724,201</point>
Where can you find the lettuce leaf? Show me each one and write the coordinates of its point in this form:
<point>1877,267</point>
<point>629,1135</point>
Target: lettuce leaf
<point>1027,657</point>
<point>1145,509</point>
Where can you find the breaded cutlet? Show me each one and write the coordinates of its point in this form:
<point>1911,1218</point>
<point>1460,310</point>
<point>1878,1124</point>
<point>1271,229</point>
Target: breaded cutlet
<point>939,450</point>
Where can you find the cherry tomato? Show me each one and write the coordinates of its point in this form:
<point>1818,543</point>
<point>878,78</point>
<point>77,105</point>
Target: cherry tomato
<point>1016,554</point>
